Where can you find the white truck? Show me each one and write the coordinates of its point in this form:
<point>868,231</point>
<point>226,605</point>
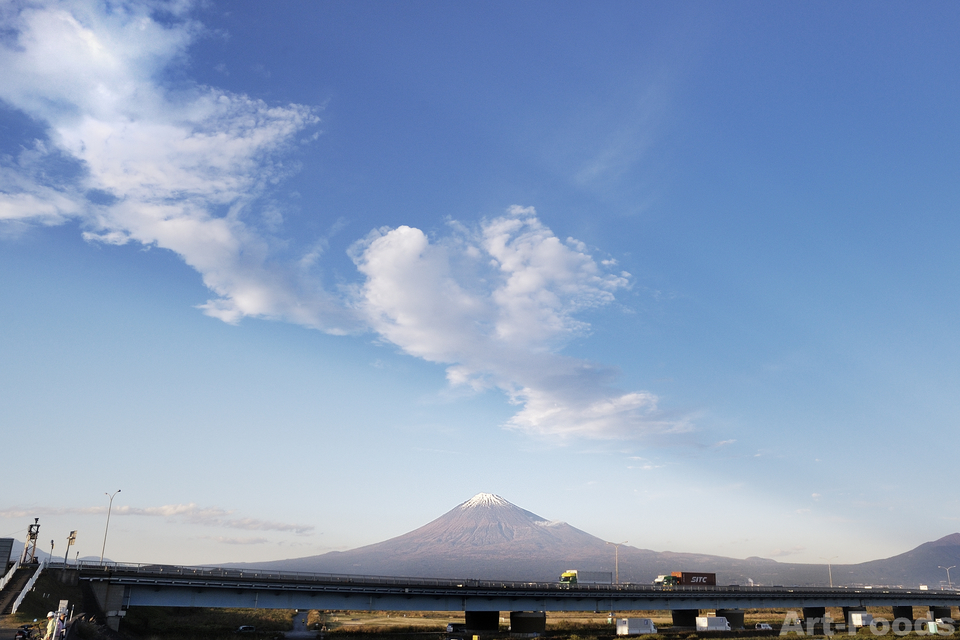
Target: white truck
<point>712,623</point>
<point>860,619</point>
<point>573,576</point>
<point>635,626</point>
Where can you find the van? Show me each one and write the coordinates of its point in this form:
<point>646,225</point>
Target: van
<point>711,623</point>
<point>635,626</point>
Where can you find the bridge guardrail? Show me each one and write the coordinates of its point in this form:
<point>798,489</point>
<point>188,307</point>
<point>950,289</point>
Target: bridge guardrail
<point>445,583</point>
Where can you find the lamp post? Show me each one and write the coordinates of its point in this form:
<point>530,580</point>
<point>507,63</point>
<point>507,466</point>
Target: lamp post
<point>51,552</point>
<point>71,539</point>
<point>949,584</point>
<point>616,558</point>
<point>107,528</point>
<point>829,569</point>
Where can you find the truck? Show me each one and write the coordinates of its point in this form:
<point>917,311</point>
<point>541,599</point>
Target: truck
<point>859,619</point>
<point>712,623</point>
<point>687,579</point>
<point>635,626</point>
<point>574,576</point>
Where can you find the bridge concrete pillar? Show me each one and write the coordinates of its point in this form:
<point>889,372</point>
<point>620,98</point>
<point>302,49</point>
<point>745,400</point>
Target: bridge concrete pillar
<point>733,616</point>
<point>528,622</point>
<point>685,617</point>
<point>813,619</point>
<point>814,612</point>
<point>903,612</point>
<point>482,620</point>
<point>940,612</point>
<point>110,599</point>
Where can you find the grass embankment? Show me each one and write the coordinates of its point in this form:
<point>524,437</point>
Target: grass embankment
<point>45,596</point>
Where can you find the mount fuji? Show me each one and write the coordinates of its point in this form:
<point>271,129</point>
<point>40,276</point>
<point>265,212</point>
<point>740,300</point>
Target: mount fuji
<point>489,538</point>
<point>484,537</point>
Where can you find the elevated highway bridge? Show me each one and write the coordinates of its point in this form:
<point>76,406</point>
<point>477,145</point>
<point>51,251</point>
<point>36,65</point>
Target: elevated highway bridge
<point>119,586</point>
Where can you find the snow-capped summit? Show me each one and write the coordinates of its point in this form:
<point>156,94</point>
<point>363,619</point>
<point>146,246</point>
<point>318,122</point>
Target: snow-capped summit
<point>485,500</point>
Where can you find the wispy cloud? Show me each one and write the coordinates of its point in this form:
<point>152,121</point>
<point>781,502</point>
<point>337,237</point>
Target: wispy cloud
<point>625,146</point>
<point>188,513</point>
<point>638,462</point>
<point>186,169</point>
<point>781,553</point>
<point>236,541</point>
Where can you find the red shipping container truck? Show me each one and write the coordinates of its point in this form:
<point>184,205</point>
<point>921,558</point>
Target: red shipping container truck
<point>687,579</point>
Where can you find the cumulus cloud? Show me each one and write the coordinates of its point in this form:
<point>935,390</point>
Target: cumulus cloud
<point>187,513</point>
<point>495,303</point>
<point>183,168</point>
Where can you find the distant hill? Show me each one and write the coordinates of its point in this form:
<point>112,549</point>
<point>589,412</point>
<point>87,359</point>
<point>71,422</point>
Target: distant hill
<point>918,566</point>
<point>487,537</point>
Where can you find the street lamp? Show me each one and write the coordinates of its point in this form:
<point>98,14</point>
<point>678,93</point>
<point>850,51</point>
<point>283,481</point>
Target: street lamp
<point>107,528</point>
<point>616,558</point>
<point>829,569</point>
<point>71,539</point>
<point>949,584</point>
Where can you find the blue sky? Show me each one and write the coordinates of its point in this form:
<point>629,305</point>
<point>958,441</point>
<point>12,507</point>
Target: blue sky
<point>303,276</point>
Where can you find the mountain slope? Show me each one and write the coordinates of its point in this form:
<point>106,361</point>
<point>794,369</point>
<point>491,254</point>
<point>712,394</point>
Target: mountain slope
<point>487,537</point>
<point>917,566</point>
<point>484,537</point>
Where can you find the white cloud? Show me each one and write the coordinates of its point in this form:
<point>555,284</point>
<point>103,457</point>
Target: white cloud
<point>494,304</point>
<point>184,168</point>
<point>781,553</point>
<point>187,513</point>
<point>235,541</point>
<point>190,169</point>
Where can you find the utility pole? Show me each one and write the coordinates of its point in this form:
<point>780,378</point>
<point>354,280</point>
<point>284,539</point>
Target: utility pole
<point>616,558</point>
<point>829,569</point>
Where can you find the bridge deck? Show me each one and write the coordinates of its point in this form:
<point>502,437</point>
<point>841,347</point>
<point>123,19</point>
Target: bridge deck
<point>167,585</point>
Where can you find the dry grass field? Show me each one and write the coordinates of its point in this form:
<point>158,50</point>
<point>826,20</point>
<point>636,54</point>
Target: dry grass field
<point>158,623</point>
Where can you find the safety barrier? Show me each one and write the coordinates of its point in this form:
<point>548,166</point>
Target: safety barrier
<point>26,589</point>
<point>7,578</point>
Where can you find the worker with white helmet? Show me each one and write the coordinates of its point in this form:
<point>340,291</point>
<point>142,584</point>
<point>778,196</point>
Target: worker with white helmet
<point>51,626</point>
